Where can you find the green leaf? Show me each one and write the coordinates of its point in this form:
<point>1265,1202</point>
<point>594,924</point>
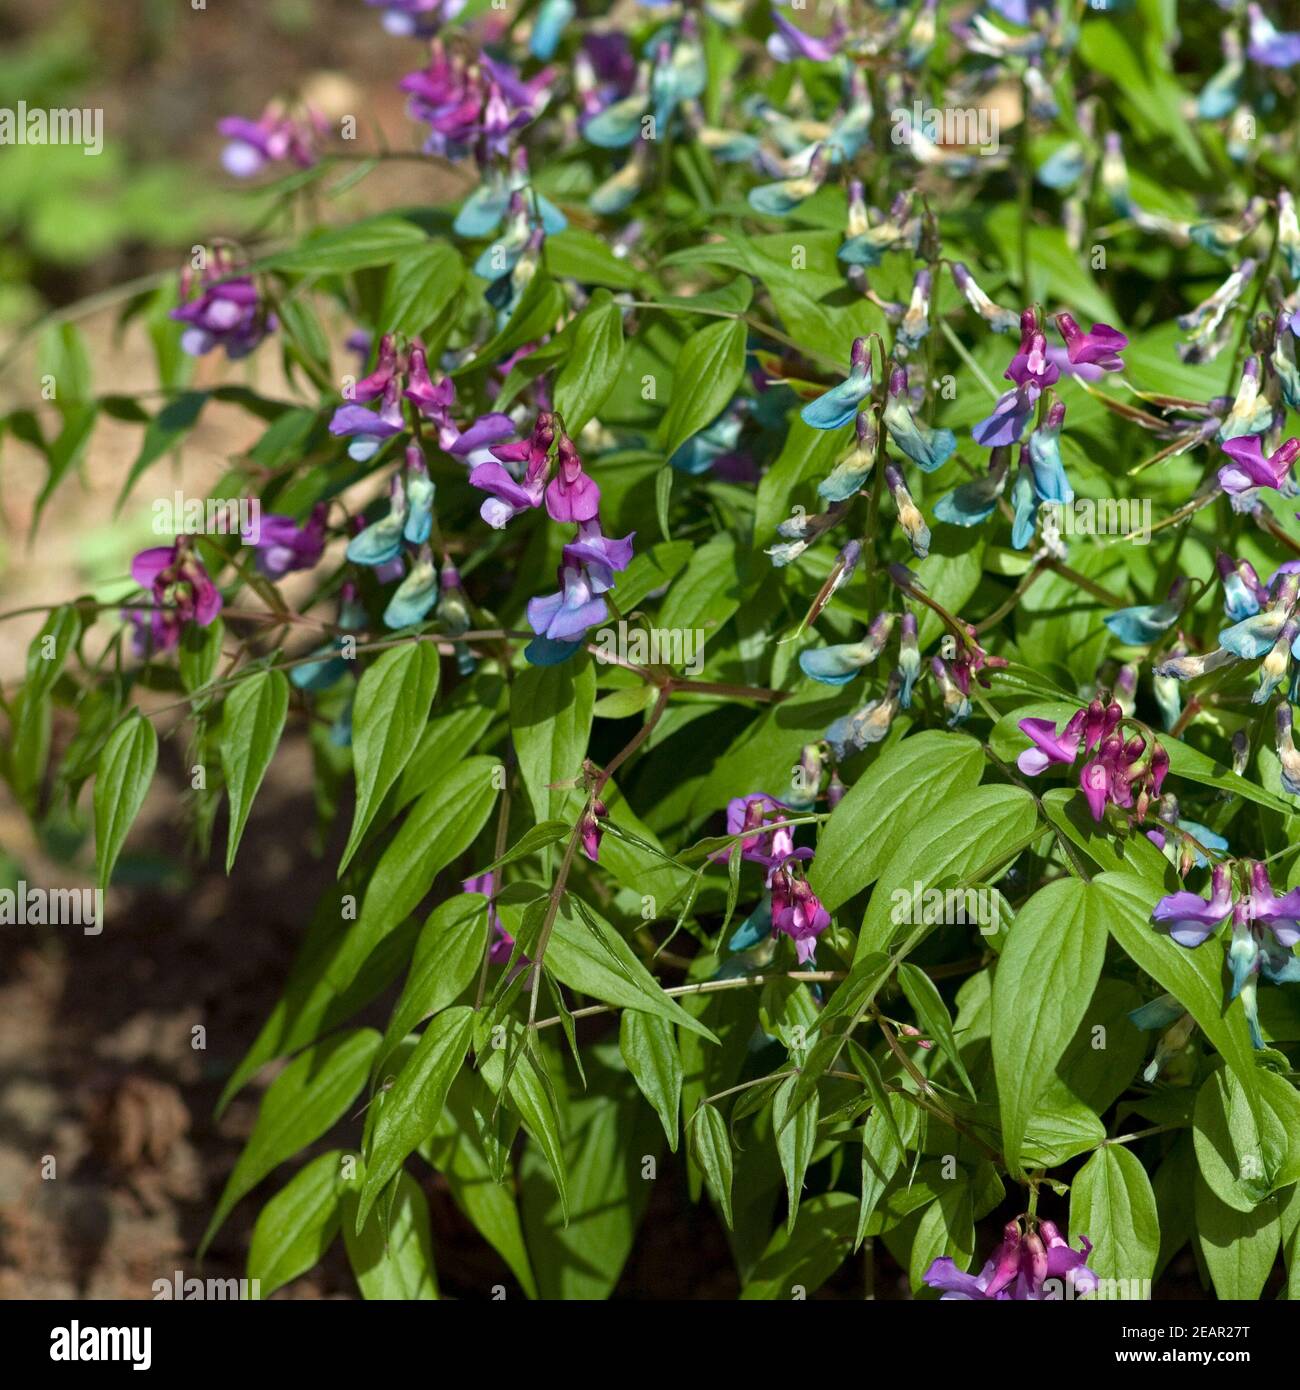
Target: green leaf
<point>586,379</point>
<point>376,241</point>
<point>796,1137</point>
<point>609,1136</point>
<point>946,1228</point>
<point>711,1148</point>
<point>866,828</point>
<point>250,732</point>
<point>392,1259</point>
<point>1243,1153</point>
<point>532,1095</point>
<point>933,1017</point>
<point>447,957</point>
<point>305,1101</point>
<point>798,1262</point>
<point>890,1127</point>
<point>297,1226</point>
<point>126,767</point>
<point>456,1150</point>
<point>550,719</point>
<point>1239,1248</point>
<point>964,838</point>
<point>200,651</point>
<point>421,286</point>
<point>1111,1202</point>
<point>649,1047</point>
<point>708,371</point>
<point>1044,980</point>
<point>411,1108</point>
<point>578,254</point>
<point>442,824</point>
<point>591,957</point>
<point>394,697</point>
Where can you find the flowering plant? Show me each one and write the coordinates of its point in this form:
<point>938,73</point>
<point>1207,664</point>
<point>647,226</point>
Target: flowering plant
<point>768,746</point>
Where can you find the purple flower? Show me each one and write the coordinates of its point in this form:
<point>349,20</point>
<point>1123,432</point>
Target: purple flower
<point>503,944</point>
<point>1048,746</point>
<point>181,588</point>
<point>227,313</point>
<point>797,912</point>
<point>771,848</point>
<point>566,616</point>
<point>369,428</point>
<point>1010,418</point>
<point>1269,47</point>
<point>274,136</point>
<point>602,556</point>
<point>789,42</point>
<point>1251,469</point>
<point>416,18</point>
<point>371,387</point>
<point>1280,915</point>
<point>571,495</point>
<point>1192,918</point>
<point>1100,346</point>
<point>282,545</point>
<point>1018,1269</point>
<point>1032,362</point>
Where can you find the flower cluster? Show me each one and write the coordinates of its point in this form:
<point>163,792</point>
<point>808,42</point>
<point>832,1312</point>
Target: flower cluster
<point>1127,773</point>
<point>1265,929</point>
<point>1020,1269</point>
<point>789,906</point>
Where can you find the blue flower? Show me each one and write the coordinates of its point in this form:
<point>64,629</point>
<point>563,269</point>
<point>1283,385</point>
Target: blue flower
<point>927,448</point>
<point>839,405</point>
<point>415,595</point>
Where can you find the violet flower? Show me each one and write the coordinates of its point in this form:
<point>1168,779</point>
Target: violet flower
<point>1100,346</point>
<point>1250,468</point>
<point>1048,746</point>
<point>227,313</point>
<point>273,137</point>
<point>1019,1269</point>
<point>182,591</point>
<point>281,545</point>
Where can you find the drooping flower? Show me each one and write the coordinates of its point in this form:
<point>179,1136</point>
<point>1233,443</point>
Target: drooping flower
<point>1144,624</point>
<point>797,912</point>
<point>415,595</point>
<point>565,616</point>
<point>1251,469</point>
<point>1020,1269</point>
<point>838,665</point>
<point>837,406</point>
<point>1047,745</point>
<point>181,588</point>
<point>998,319</point>
<point>276,135</point>
<point>868,725</point>
<point>368,429</point>
<point>909,514</point>
<point>281,545</point>
<point>851,473</point>
<point>380,543</point>
<point>927,448</point>
<point>789,42</point>
<point>1190,918</point>
<point>227,312</point>
<point>571,495</point>
<point>1100,346</point>
<point>1268,46</point>
<point>509,496</point>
